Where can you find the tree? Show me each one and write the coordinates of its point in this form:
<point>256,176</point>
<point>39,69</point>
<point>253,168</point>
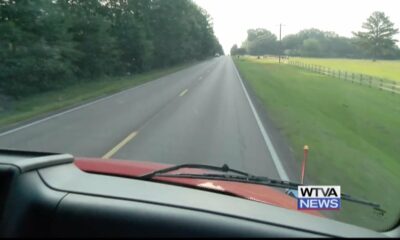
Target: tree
<point>234,49</point>
<point>237,51</point>
<point>35,47</point>
<point>241,51</point>
<point>316,43</point>
<point>46,45</point>
<point>312,47</point>
<point>260,42</point>
<point>378,39</point>
<point>90,30</point>
<point>131,40</point>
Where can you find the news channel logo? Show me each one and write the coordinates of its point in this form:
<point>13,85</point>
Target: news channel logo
<point>318,198</point>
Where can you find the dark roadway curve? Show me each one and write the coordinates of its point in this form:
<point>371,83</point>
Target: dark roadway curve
<point>201,114</point>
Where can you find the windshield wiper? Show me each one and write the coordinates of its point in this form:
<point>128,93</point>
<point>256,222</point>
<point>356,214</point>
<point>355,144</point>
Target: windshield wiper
<point>244,177</point>
<point>224,168</point>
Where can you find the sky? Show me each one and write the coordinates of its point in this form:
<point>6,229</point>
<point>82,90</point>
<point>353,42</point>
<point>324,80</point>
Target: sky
<point>232,18</point>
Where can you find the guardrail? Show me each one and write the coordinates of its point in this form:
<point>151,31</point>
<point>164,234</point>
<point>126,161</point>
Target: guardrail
<point>356,78</point>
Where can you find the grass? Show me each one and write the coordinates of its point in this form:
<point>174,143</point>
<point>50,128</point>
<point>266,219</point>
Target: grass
<point>33,106</point>
<point>382,68</point>
<point>353,133</point>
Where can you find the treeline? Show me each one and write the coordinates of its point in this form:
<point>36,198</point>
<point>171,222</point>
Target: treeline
<point>47,44</point>
<point>374,43</point>
<point>316,43</point>
<point>306,43</point>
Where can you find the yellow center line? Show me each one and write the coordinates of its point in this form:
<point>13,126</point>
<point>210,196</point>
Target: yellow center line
<point>183,93</point>
<point>126,140</point>
<point>120,145</point>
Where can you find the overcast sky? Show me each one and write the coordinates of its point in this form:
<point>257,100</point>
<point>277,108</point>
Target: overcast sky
<point>232,18</point>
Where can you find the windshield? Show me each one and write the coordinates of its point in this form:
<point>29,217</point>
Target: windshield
<point>304,91</point>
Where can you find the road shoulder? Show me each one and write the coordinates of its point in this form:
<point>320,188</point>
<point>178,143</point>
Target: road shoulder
<point>281,144</point>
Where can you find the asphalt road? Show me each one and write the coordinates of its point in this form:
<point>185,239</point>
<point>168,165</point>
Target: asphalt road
<point>198,115</point>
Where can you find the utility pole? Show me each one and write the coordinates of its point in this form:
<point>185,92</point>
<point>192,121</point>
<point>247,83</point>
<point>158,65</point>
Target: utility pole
<point>280,41</point>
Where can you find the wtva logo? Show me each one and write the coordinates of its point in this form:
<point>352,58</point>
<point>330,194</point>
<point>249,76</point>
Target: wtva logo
<point>318,198</point>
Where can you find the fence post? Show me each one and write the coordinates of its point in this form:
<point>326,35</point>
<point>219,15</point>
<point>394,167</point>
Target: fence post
<point>393,87</point>
<point>345,76</point>
<point>352,77</point>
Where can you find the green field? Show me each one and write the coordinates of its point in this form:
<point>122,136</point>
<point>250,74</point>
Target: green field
<point>353,133</point>
<point>14,111</point>
<point>382,69</point>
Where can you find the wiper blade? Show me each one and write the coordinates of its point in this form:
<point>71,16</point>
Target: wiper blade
<point>375,206</point>
<point>224,168</point>
<point>237,178</point>
<point>247,178</point>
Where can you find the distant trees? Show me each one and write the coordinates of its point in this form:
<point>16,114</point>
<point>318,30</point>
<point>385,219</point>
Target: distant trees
<point>237,51</point>
<point>260,42</point>
<point>307,43</point>
<point>234,50</point>
<point>377,40</point>
<point>48,44</point>
<point>317,43</point>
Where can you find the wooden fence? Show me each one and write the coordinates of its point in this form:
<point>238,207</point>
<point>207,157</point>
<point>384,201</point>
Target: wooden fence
<point>356,78</point>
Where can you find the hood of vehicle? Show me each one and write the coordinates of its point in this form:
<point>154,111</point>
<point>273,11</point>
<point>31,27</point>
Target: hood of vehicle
<point>134,169</point>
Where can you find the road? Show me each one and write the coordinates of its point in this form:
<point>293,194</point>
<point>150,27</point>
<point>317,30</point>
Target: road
<point>201,114</point>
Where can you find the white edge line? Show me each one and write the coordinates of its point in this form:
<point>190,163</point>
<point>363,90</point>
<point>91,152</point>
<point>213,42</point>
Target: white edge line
<point>72,109</point>
<point>281,171</point>
<point>89,103</point>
